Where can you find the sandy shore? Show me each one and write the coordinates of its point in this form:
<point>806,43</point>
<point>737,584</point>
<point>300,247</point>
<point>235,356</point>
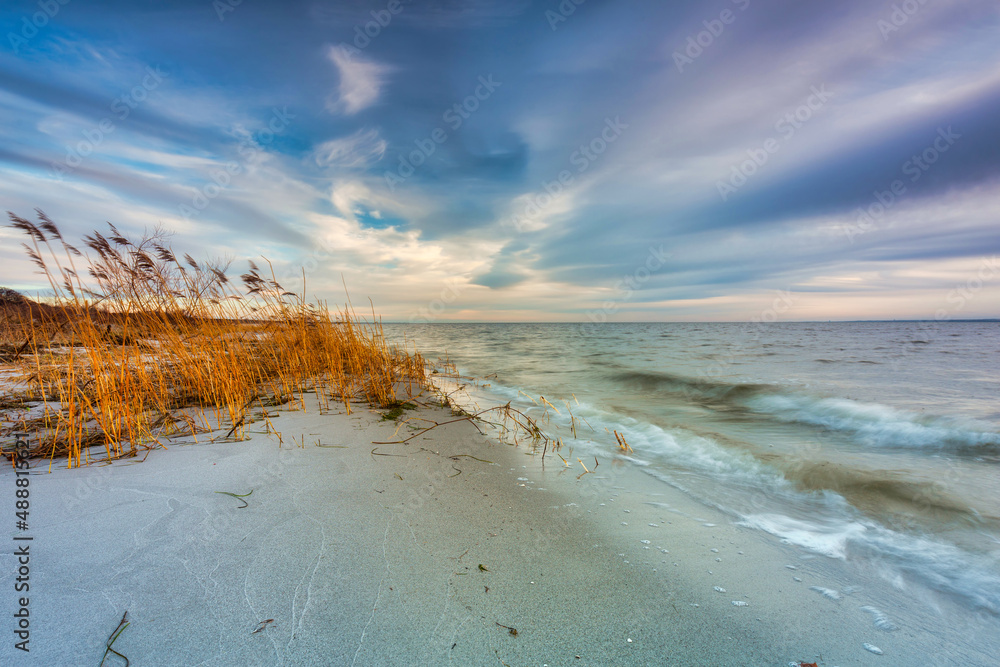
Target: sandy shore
<point>426,554</point>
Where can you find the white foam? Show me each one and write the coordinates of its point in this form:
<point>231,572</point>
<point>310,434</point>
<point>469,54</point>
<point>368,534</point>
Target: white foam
<point>829,539</point>
<point>871,648</point>
<point>821,522</point>
<point>826,592</point>
<point>875,424</point>
<point>880,620</point>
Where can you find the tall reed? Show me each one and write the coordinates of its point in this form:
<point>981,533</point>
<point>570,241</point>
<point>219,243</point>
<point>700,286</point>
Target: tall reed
<point>136,343</point>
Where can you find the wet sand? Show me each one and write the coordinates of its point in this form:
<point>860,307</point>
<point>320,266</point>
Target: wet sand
<point>427,553</point>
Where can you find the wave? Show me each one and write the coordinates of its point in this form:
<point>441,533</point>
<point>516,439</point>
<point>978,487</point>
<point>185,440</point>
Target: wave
<point>934,564</point>
<point>875,425</point>
<point>881,493</point>
<point>814,506</point>
<point>870,424</point>
<point>696,389</point>
<point>848,361</point>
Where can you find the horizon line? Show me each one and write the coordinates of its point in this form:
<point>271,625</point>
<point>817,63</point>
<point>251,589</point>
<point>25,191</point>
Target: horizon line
<point>981,319</point>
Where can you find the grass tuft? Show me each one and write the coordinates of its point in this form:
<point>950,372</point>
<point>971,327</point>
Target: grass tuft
<point>136,345</point>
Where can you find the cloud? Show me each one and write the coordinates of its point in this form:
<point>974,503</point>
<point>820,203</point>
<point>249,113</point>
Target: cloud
<point>498,278</point>
<point>506,271</point>
<point>360,82</point>
<point>355,151</point>
<point>524,209</point>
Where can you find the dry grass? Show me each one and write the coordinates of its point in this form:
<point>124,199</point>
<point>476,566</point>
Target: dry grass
<point>136,344</point>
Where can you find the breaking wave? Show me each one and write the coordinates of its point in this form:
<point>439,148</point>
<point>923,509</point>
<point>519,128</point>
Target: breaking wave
<point>870,424</point>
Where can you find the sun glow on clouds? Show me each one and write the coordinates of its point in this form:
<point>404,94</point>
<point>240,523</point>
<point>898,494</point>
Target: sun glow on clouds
<point>473,234</point>
<point>397,269</point>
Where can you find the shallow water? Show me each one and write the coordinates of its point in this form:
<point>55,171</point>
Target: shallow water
<point>871,442</point>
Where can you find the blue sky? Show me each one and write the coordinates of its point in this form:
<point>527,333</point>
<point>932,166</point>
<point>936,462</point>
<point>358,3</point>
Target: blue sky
<point>477,160</point>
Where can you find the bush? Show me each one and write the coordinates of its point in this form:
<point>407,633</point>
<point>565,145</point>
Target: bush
<point>8,295</point>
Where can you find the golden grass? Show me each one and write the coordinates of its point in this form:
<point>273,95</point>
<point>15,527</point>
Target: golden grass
<point>136,344</point>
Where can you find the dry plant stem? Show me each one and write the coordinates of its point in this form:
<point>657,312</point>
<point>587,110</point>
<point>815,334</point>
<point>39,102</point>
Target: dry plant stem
<point>375,453</point>
<point>511,631</point>
<point>470,456</point>
<point>114,637</point>
<point>240,497</point>
<point>132,334</point>
<point>422,431</point>
<point>262,626</point>
<point>622,445</point>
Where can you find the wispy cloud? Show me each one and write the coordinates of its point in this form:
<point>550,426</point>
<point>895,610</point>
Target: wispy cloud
<point>525,209</point>
<point>357,150</point>
<point>360,81</point>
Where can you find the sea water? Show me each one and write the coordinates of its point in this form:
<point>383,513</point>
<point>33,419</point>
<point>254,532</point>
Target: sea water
<point>868,442</point>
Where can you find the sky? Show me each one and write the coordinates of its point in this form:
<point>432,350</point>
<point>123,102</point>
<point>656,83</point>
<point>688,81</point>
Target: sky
<point>553,160</point>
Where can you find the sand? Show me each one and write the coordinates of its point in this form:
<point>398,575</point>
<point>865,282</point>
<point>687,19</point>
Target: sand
<point>425,556</point>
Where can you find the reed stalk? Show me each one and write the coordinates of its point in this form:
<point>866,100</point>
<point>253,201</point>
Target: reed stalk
<point>136,341</point>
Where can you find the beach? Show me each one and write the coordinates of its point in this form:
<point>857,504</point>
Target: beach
<point>436,551</point>
<point>500,333</point>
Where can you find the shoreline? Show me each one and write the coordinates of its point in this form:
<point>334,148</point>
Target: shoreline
<point>365,556</point>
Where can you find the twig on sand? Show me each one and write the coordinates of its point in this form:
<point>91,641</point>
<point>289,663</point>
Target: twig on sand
<point>122,624</point>
<point>457,456</point>
<point>422,431</point>
<point>511,631</point>
<point>262,625</point>
<point>521,420</point>
<point>374,453</point>
<point>238,496</point>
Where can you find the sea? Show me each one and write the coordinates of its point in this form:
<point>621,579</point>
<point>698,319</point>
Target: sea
<point>873,443</point>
